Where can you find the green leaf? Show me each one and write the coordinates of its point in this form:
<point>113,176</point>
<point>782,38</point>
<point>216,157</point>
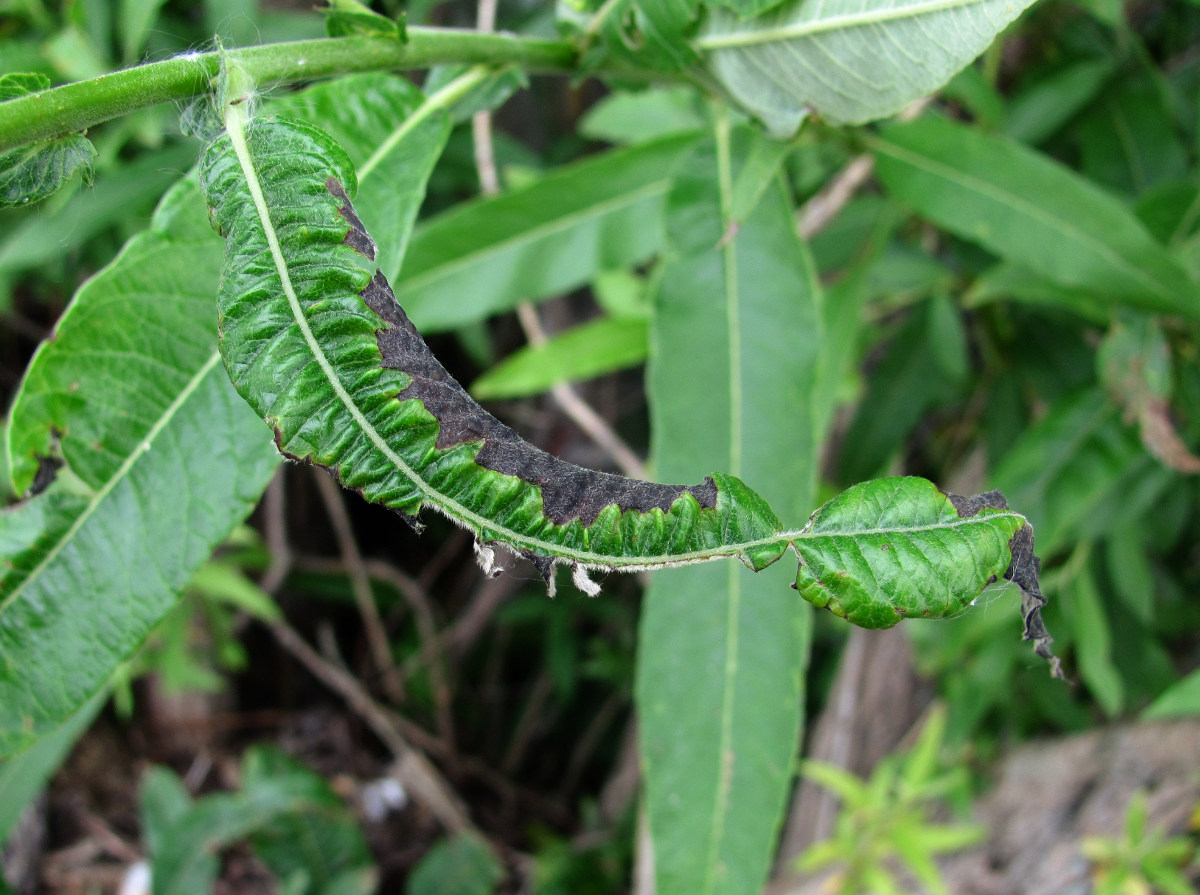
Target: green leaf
<point>846,60</point>
<point>1093,640</point>
<point>843,783</point>
<point>649,34</point>
<point>322,840</point>
<point>908,381</point>
<point>279,799</point>
<point>487,88</point>
<point>162,801</point>
<point>34,171</point>
<point>899,547</point>
<point>544,239</point>
<point>1179,700</point>
<point>1009,282</point>
<point>626,117</point>
<point>1066,465</point>
<point>393,134</point>
<point>459,865</point>
<point>1130,141</point>
<point>132,394</point>
<point>344,352</point>
<point>347,18</point>
<point>46,235</point>
<point>719,697</point>
<point>21,83</point>
<point>23,776</point>
<point>582,352</point>
<point>135,21</point>
<point>1037,113</point>
<point>1031,211</point>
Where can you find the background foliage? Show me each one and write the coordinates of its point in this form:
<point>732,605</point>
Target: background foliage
<point>1008,299</point>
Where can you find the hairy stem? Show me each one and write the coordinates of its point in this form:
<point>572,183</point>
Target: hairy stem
<point>78,106</point>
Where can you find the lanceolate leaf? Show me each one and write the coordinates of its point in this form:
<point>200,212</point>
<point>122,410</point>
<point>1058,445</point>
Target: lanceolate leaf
<point>315,341</point>
<point>850,61</point>
<point>554,235</point>
<point>1031,211</point>
<point>156,443</point>
<point>722,654</point>
<point>593,348</point>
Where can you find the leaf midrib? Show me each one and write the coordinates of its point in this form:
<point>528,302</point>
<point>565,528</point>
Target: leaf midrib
<point>1023,206</point>
<point>796,30</point>
<point>455,511</point>
<point>122,471</point>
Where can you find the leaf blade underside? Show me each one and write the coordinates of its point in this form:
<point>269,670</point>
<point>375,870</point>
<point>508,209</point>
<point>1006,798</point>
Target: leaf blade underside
<point>850,61</point>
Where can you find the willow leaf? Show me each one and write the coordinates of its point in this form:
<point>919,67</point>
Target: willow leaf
<point>1032,211</point>
<point>850,61</point>
<point>163,459</point>
<point>581,352</point>
<point>314,340</point>
<point>552,236</point>
<point>719,698</point>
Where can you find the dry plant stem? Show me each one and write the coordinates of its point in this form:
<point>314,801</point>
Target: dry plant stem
<point>532,720</point>
<point>643,861</point>
<point>817,213</point>
<point>621,787</point>
<point>360,582</point>
<point>275,531</point>
<point>821,209</point>
<point>413,769</point>
<point>431,647</point>
<point>585,747</point>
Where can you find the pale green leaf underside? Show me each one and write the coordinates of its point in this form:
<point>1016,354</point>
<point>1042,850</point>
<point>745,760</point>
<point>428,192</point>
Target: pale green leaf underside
<point>849,61</point>
<point>314,340</point>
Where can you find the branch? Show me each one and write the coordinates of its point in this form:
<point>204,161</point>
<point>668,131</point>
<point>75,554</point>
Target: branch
<point>78,106</point>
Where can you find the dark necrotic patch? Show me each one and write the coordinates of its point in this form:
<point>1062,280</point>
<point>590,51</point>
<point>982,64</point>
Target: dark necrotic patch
<point>966,507</point>
<point>568,491</point>
<point>358,238</point>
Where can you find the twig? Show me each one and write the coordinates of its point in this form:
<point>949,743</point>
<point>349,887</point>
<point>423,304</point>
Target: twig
<point>360,583</point>
<point>643,860</point>
<point>586,745</point>
<point>532,720</point>
<point>818,212</point>
<point>621,787</point>
<point>431,646</point>
<point>275,532</point>
<point>413,769</point>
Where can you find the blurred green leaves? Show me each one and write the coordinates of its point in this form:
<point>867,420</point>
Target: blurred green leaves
<point>294,821</point>
<point>884,827</point>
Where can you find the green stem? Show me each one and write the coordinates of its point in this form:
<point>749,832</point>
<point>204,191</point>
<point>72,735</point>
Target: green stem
<point>78,106</point>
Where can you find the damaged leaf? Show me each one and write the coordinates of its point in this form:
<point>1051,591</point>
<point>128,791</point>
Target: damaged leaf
<point>315,341</point>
